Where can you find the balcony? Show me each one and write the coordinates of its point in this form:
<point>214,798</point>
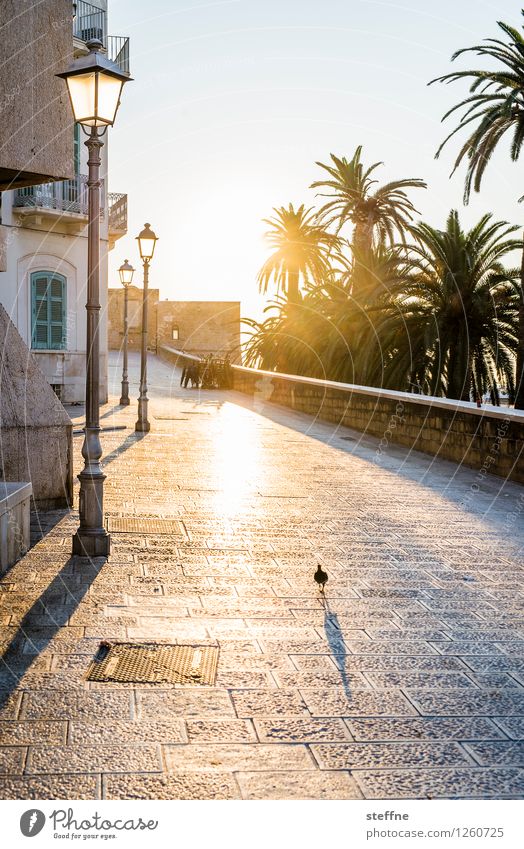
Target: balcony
<point>64,204</point>
<point>91,22</point>
<point>117,218</point>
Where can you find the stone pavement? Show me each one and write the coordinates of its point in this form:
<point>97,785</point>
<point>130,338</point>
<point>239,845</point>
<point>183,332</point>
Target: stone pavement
<point>408,682</point>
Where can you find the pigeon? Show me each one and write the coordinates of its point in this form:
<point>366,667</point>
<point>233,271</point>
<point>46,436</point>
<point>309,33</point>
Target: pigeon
<point>320,577</point>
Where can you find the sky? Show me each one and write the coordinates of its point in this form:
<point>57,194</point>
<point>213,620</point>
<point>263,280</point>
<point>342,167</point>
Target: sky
<point>234,101</point>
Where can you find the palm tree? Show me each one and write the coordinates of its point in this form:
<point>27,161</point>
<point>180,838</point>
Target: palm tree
<point>378,214</point>
<point>495,107</point>
<point>457,309</point>
<point>302,251</point>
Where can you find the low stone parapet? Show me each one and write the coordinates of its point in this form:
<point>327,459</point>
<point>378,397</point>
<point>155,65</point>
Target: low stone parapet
<point>14,522</point>
<point>488,439</point>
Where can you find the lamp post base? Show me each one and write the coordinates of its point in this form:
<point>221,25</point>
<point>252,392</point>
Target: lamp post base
<point>124,401</point>
<point>142,426</point>
<point>92,543</point>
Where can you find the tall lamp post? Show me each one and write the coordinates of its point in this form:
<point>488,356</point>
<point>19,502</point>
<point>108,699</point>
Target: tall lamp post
<point>94,84</point>
<point>126,272</point>
<point>146,245</point>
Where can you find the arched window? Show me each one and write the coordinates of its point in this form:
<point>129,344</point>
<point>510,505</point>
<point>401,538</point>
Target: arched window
<point>48,311</point>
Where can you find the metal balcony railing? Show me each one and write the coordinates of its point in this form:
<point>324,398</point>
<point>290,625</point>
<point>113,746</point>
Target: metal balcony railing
<point>117,206</point>
<point>89,21</point>
<point>64,196</point>
<point>117,48</point>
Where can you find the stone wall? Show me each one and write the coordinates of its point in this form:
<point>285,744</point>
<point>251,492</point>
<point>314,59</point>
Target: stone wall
<point>115,318</point>
<point>35,114</point>
<point>200,327</point>
<point>36,434</point>
<point>490,440</point>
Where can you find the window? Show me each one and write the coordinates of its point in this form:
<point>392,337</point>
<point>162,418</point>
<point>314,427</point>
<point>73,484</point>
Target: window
<point>48,310</point>
<point>174,333</point>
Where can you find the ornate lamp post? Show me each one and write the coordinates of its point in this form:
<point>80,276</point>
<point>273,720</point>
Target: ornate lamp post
<point>146,245</point>
<point>94,85</point>
<point>126,272</point>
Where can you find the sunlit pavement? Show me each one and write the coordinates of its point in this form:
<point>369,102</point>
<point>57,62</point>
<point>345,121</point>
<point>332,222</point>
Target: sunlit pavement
<point>408,683</point>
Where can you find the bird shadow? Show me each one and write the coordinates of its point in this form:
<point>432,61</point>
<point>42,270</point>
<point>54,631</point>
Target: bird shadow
<point>335,639</point>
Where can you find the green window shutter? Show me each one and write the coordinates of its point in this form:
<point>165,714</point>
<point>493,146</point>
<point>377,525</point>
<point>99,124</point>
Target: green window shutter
<point>48,295</point>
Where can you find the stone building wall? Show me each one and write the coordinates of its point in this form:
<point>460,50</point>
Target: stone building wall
<point>115,318</point>
<point>199,327</point>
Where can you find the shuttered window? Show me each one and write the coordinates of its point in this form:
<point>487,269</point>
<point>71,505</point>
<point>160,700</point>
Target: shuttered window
<point>48,301</point>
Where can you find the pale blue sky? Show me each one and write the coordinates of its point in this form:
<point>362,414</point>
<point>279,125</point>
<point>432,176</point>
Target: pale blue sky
<point>234,101</point>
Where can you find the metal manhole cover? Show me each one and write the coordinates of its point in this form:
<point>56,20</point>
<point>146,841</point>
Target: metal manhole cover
<point>144,525</point>
<point>154,663</point>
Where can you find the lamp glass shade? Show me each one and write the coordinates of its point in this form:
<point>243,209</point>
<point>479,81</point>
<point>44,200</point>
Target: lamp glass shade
<point>95,98</point>
<point>146,243</point>
<point>126,272</point>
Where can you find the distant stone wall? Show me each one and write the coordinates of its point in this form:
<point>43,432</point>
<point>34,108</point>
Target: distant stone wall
<point>487,440</point>
<point>115,318</point>
<point>201,327</point>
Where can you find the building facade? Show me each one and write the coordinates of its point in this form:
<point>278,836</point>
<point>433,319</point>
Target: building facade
<point>197,327</point>
<point>43,253</point>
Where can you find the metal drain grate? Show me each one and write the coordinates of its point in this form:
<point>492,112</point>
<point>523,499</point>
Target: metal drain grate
<point>144,525</point>
<point>153,663</point>
<point>170,419</point>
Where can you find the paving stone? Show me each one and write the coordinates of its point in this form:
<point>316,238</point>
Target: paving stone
<point>513,726</point>
<point>93,759</point>
<point>12,760</point>
<point>220,731</point>
<point>468,702</point>
<point>234,757</point>
<point>419,679</point>
<point>336,702</point>
<point>267,702</point>
<point>107,733</point>
<point>298,785</point>
<point>194,785</point>
<point>383,755</point>
<point>473,783</point>
<point>27,733</point>
<point>186,702</point>
<point>424,729</point>
<point>498,754</point>
<point>289,730</point>
<point>50,787</point>
<point>48,704</point>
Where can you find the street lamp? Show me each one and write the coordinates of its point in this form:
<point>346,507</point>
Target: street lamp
<point>94,84</point>
<point>146,245</point>
<point>126,272</point>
